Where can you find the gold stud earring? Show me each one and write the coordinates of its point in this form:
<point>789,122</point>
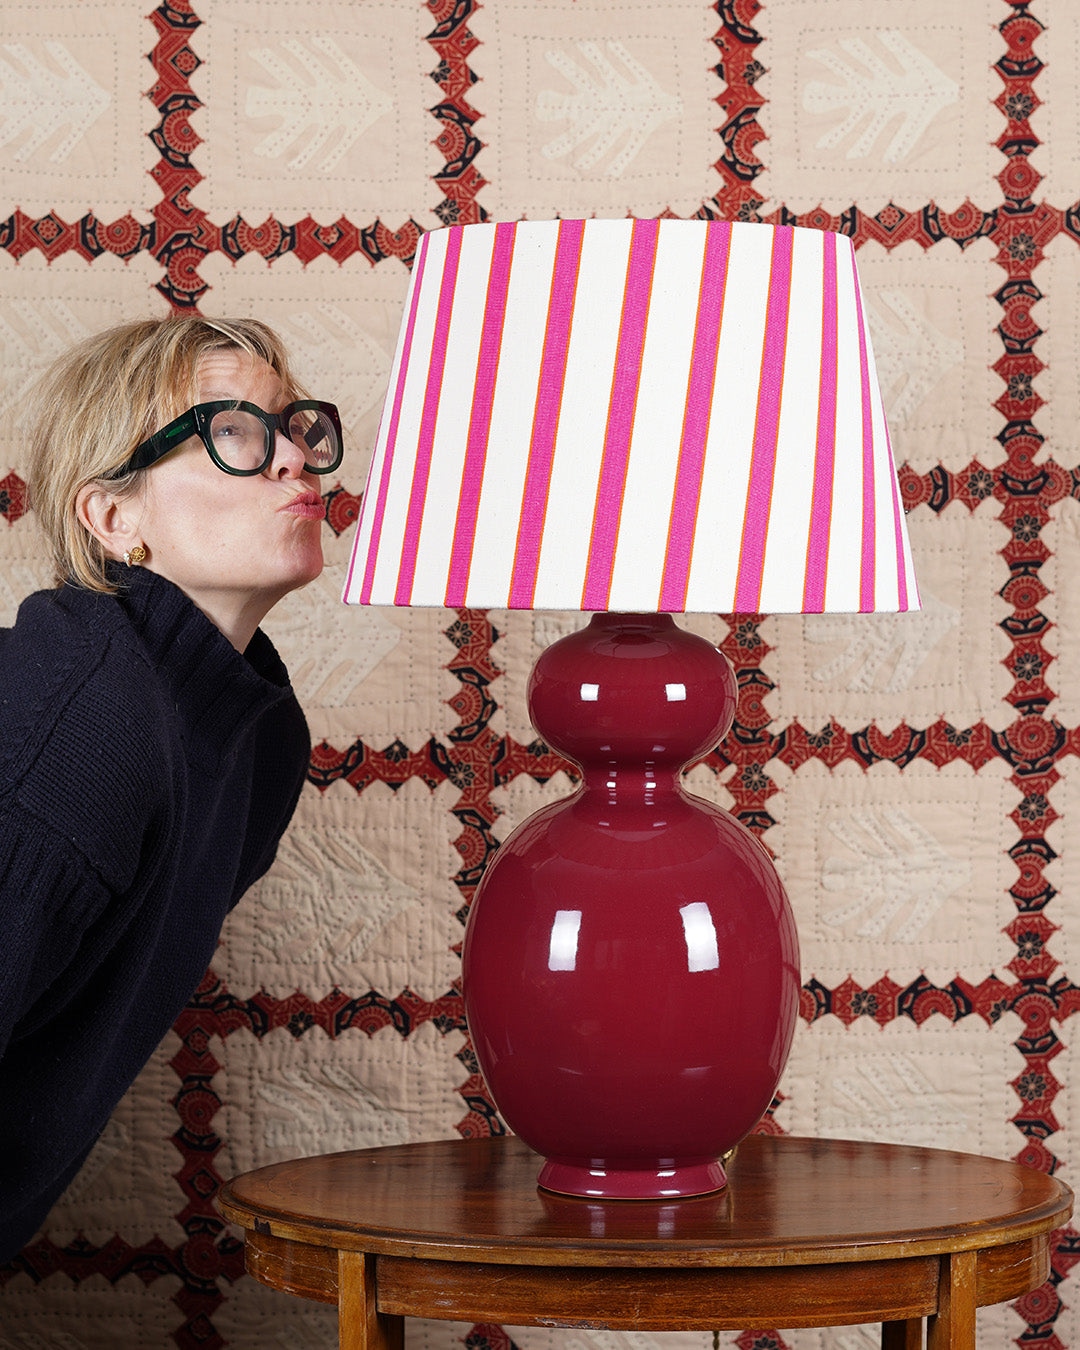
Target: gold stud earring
<point>134,556</point>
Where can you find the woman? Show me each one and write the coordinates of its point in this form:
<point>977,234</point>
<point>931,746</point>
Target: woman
<point>151,748</point>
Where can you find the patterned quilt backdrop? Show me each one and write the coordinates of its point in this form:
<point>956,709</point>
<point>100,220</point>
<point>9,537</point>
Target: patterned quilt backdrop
<point>914,775</point>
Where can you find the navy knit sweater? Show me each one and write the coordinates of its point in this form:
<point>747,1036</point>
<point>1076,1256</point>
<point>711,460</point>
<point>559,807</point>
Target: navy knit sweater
<point>147,772</point>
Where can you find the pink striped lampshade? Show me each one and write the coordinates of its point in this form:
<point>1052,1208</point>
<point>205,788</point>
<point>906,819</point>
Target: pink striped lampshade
<point>633,415</point>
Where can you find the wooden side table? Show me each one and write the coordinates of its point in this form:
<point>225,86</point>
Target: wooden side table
<point>809,1232</point>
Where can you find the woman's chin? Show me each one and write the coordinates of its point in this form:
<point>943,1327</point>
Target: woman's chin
<point>308,569</point>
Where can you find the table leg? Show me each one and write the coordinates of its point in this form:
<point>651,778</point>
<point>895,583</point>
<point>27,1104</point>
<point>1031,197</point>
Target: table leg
<point>954,1326</point>
<point>360,1324</point>
<point>902,1335</point>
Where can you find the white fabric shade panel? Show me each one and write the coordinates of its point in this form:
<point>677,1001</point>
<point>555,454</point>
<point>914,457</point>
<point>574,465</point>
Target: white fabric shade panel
<point>637,415</point>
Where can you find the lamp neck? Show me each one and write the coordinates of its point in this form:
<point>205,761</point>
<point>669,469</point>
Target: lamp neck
<point>632,698</point>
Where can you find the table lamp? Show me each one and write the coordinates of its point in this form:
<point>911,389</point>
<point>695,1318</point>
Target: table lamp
<point>634,418</point>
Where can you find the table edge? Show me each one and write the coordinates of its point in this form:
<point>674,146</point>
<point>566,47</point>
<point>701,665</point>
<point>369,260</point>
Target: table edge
<point>1041,1216</point>
<point>613,1252</point>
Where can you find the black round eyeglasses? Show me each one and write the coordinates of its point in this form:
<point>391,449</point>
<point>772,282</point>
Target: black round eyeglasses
<point>239,437</point>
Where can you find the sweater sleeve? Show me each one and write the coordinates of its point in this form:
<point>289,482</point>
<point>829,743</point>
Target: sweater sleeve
<point>49,899</point>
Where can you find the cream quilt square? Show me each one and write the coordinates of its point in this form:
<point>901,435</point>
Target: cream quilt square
<point>1057,314</point>
<point>25,562</point>
<point>45,308</point>
<point>1056,119</point>
<point>317,118</point>
<point>1061,606</point>
<point>20,574</point>
<point>594,109</point>
<point>1063,873</point>
<point>1063,1143</point>
<point>940,661</point>
<point>76,120</point>
<point>899,872</point>
<point>288,1098</point>
<point>359,897</point>
<point>365,670</point>
<point>254,1317</point>
<point>939,1085</point>
<point>932,318</point>
<point>878,105</point>
<point>91,1315</point>
<point>517,800</point>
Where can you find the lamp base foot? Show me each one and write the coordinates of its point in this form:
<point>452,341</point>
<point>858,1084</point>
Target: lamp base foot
<point>646,1183</point>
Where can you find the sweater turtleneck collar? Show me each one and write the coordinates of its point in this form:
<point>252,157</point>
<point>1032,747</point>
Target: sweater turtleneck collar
<point>219,691</point>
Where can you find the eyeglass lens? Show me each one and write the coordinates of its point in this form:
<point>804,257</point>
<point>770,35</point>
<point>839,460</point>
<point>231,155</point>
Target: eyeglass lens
<point>316,435</point>
<point>243,442</point>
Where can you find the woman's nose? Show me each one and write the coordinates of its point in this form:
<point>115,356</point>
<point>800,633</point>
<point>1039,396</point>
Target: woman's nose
<point>288,460</point>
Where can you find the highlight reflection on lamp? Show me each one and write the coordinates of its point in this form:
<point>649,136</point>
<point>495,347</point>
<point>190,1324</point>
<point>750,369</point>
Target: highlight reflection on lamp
<point>634,418</point>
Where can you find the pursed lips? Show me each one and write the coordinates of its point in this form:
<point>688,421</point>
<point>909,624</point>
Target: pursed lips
<point>308,505</point>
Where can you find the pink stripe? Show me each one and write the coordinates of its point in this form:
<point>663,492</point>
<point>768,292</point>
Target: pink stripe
<point>766,429</point>
<point>898,527</point>
<point>687,494</point>
<point>621,409</point>
<point>411,543</point>
<point>391,438</point>
<point>817,547</point>
<point>545,425</point>
<point>487,370</point>
<point>866,577</point>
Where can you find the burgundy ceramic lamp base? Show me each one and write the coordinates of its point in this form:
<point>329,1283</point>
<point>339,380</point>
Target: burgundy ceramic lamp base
<point>613,1183</point>
<point>631,967</point>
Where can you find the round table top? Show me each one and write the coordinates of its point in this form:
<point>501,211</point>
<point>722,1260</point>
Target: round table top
<point>790,1201</point>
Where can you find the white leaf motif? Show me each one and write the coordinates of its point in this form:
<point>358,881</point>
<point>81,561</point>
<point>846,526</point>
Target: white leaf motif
<point>33,333</point>
<point>324,100</point>
<point>335,353</point>
<point>875,644</point>
<point>326,898</point>
<point>888,1096</point>
<point>899,876</point>
<point>325,1111</point>
<point>873,92</point>
<point>39,102</point>
<point>329,649</point>
<point>615,103</point>
<point>912,355</point>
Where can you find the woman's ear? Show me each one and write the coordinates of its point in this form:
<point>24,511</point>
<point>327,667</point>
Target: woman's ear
<point>112,520</point>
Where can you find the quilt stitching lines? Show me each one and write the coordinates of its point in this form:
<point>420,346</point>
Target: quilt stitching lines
<point>1024,488</point>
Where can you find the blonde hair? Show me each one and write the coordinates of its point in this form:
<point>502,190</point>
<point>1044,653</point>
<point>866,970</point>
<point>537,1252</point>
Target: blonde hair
<point>104,397</point>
